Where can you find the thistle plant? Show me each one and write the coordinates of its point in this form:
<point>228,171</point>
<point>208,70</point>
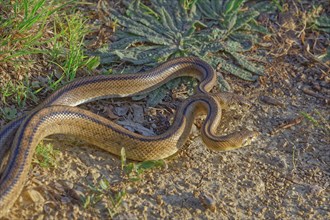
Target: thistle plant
<point>237,21</point>
<point>161,31</point>
<point>147,35</point>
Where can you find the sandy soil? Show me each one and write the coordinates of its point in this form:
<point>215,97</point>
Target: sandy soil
<point>285,175</point>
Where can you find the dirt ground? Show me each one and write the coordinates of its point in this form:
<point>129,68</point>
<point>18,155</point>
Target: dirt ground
<point>283,174</point>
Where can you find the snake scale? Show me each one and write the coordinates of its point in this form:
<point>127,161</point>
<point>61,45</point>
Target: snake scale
<point>57,115</point>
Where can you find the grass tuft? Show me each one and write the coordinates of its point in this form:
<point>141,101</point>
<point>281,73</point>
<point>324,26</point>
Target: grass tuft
<point>134,170</point>
<point>45,155</point>
<point>41,47</point>
<point>102,192</point>
<point>318,121</point>
<point>68,41</point>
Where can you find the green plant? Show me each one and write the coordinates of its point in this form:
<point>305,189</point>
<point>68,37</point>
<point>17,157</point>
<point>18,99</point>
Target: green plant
<point>45,155</point>
<point>322,23</point>
<point>318,20</point>
<point>134,170</point>
<point>278,4</point>
<point>22,36</point>
<point>103,191</point>
<point>36,35</point>
<point>188,4</point>
<point>318,121</point>
<point>68,50</point>
<point>23,26</point>
<point>166,29</point>
<point>236,20</point>
<point>19,92</point>
<point>9,113</point>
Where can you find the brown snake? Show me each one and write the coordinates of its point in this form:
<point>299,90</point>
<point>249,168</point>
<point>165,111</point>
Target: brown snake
<point>57,116</point>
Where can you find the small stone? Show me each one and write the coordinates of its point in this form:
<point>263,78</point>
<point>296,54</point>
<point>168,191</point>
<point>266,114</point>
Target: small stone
<point>67,184</point>
<point>49,207</point>
<point>40,217</point>
<point>169,209</point>
<point>159,200</point>
<point>207,201</point>
<point>196,193</point>
<point>76,194</point>
<point>59,187</point>
<point>65,200</point>
<point>35,196</point>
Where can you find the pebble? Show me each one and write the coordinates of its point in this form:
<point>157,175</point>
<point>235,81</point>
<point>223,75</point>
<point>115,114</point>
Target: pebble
<point>40,217</point>
<point>49,207</point>
<point>159,200</point>
<point>207,201</point>
<point>59,187</point>
<point>169,208</point>
<point>68,184</point>
<point>77,193</point>
<point>271,101</point>
<point>65,200</point>
<point>35,196</point>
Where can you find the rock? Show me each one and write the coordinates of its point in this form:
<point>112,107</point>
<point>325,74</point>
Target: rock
<point>35,196</point>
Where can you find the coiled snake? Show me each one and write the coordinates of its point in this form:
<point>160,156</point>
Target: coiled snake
<point>56,115</point>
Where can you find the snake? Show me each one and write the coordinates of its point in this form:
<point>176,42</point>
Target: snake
<point>57,114</point>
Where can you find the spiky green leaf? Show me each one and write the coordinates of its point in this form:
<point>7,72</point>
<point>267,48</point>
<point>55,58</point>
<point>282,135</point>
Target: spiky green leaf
<point>205,8</point>
<point>244,19</point>
<point>157,96</point>
<point>255,27</point>
<point>235,70</point>
<point>243,62</point>
<point>232,6</point>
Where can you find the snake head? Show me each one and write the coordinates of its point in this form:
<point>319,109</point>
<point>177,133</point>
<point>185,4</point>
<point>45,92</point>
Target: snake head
<point>230,141</point>
<point>248,136</point>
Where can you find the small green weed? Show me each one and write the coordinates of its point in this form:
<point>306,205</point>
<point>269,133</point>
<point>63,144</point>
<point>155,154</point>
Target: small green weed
<point>67,52</point>
<point>134,170</point>
<point>322,23</point>
<point>20,92</point>
<point>45,155</point>
<point>318,121</point>
<point>279,4</point>
<point>115,203</point>
<point>9,113</point>
<point>103,192</point>
<point>317,19</point>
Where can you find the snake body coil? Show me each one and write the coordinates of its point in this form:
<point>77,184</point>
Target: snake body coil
<point>57,113</point>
